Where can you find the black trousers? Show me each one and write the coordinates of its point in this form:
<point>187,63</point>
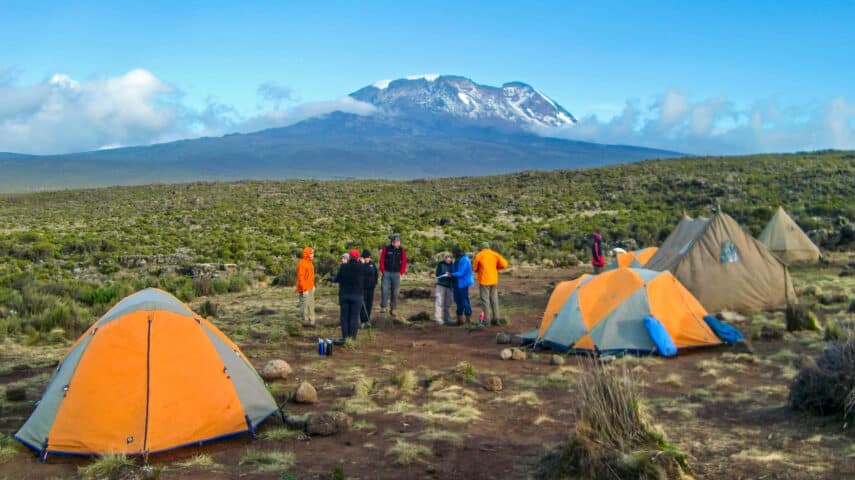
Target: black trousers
<point>351,305</point>
<point>368,302</point>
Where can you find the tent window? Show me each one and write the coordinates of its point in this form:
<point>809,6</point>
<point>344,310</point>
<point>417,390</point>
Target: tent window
<point>729,253</point>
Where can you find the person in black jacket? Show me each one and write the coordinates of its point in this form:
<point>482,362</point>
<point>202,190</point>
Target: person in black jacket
<point>351,288</point>
<point>371,277</point>
<point>444,294</point>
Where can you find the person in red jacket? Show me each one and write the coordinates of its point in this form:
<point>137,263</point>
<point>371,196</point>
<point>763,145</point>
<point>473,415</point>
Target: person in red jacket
<point>306,287</point>
<point>598,260</point>
<point>393,267</point>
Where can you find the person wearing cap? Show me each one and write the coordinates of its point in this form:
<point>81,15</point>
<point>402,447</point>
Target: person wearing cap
<point>444,294</point>
<point>486,265</point>
<point>462,273</point>
<point>598,260</point>
<point>393,267</point>
<point>306,287</point>
<point>351,288</point>
<point>371,277</point>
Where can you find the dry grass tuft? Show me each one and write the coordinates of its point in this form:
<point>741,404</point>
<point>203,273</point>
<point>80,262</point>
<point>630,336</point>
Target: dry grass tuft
<point>267,460</point>
<point>406,452</point>
<point>827,387</point>
<point>444,436</point>
<point>406,381</point>
<point>282,433</point>
<point>108,466</point>
<point>613,439</point>
<point>202,460</point>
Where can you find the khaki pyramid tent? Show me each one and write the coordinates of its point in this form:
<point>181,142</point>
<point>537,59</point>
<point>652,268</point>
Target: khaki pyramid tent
<point>606,313</point>
<point>787,241</point>
<point>149,376</point>
<point>634,259</point>
<point>724,267</point>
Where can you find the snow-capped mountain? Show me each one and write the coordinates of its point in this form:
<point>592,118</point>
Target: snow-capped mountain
<point>514,104</point>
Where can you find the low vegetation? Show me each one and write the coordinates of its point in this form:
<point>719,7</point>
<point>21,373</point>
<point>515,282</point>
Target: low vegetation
<point>613,438</point>
<point>827,386</point>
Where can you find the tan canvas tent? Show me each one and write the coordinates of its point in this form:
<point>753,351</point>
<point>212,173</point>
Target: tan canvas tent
<point>787,241</point>
<point>723,266</point>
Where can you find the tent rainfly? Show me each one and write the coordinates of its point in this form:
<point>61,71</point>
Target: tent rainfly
<point>148,376</point>
<point>723,266</point>
<point>634,259</point>
<point>787,240</point>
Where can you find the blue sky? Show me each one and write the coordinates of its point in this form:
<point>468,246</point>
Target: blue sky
<point>789,61</point>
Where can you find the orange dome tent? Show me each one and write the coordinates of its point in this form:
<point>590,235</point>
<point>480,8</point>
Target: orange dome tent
<point>605,313</point>
<point>149,376</point>
<point>635,259</point>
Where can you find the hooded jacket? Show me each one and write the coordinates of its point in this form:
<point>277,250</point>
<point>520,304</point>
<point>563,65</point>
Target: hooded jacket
<point>597,258</point>
<point>463,271</point>
<point>486,265</point>
<point>305,272</point>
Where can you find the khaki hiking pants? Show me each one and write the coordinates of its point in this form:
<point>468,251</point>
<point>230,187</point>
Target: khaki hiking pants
<point>489,302</point>
<point>307,307</point>
<point>442,306</point>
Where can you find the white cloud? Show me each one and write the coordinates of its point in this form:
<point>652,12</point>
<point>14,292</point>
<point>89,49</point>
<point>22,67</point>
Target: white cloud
<point>63,115</point>
<point>717,126</point>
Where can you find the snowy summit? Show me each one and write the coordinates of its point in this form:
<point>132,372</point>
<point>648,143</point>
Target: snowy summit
<point>513,104</point>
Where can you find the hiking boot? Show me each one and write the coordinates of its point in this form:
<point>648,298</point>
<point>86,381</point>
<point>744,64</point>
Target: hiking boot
<point>338,341</point>
<point>468,318</point>
<point>494,323</point>
<point>459,320</point>
<point>382,309</point>
<point>393,313</point>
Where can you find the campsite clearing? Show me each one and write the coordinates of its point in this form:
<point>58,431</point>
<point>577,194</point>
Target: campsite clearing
<point>420,413</point>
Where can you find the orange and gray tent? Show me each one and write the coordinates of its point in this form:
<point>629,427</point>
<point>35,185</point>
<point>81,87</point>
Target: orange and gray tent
<point>605,314</point>
<point>634,259</point>
<point>724,267</point>
<point>787,240</point>
<point>148,376</point>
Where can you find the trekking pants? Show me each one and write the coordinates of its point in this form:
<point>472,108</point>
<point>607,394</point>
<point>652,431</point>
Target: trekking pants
<point>367,303</point>
<point>442,305</point>
<point>489,301</point>
<point>307,307</point>
<point>351,305</point>
<point>461,298</point>
<point>389,287</point>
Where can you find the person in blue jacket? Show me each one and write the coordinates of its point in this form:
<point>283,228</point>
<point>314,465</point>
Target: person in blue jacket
<point>463,278</point>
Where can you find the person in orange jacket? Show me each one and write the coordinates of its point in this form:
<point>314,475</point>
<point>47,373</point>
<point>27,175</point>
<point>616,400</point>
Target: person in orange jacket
<point>486,266</point>
<point>306,287</point>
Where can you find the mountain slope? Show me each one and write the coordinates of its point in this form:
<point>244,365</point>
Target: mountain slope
<point>423,127</point>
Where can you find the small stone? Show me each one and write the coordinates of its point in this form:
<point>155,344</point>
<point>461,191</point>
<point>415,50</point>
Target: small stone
<point>517,354</point>
<point>276,369</point>
<point>556,360</point>
<point>607,359</point>
<point>16,394</point>
<point>296,422</point>
<point>506,354</point>
<point>742,346</point>
<point>493,384</point>
<point>328,423</point>
<point>771,333</point>
<point>306,393</point>
<point>503,338</point>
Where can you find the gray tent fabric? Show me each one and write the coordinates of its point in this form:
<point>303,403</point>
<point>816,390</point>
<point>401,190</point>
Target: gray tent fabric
<point>783,237</point>
<point>723,266</point>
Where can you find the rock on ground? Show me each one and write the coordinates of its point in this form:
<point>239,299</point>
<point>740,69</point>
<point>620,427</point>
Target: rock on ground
<point>296,422</point>
<point>306,393</point>
<point>328,423</point>
<point>556,360</point>
<point>493,384</point>
<point>731,317</point>
<point>506,354</point>
<point>503,338</point>
<point>420,317</point>
<point>517,354</point>
<point>417,292</point>
<point>16,394</point>
<point>607,359</point>
<point>276,369</point>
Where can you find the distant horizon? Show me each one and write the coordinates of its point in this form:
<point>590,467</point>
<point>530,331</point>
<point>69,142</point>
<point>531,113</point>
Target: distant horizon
<point>699,78</point>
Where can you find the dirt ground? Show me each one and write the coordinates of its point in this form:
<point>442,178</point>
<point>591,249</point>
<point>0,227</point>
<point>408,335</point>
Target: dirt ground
<point>728,412</point>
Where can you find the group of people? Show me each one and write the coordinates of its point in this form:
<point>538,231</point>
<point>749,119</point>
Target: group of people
<point>357,277</point>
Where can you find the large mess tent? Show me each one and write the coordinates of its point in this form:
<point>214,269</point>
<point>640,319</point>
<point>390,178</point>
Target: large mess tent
<point>634,259</point>
<point>150,375</point>
<point>606,314</point>
<point>783,237</point>
<point>723,266</point>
